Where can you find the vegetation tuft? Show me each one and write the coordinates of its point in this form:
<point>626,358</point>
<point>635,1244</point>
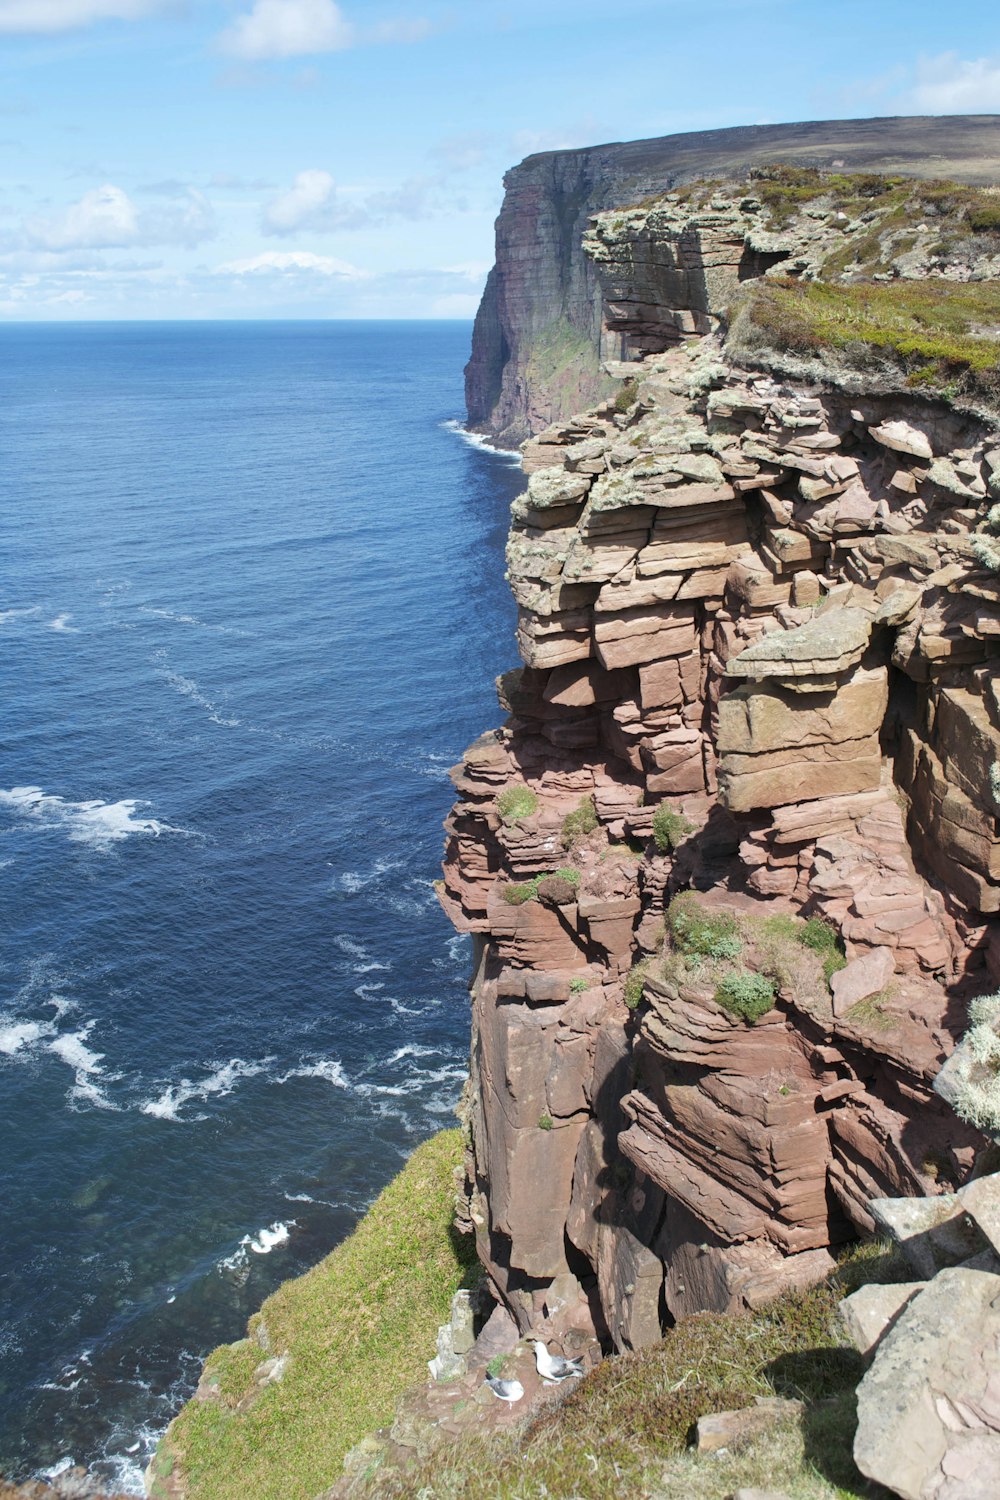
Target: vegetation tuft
<point>578,823</point>
<point>695,930</point>
<point>670,828</point>
<point>746,995</point>
<point>515,802</point>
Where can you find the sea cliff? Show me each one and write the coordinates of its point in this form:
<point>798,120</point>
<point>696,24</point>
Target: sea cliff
<point>731,866</point>
<point>537,348</point>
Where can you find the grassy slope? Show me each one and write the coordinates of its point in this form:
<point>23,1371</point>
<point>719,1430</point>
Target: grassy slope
<point>623,1431</point>
<point>360,1327</point>
<point>938,334</point>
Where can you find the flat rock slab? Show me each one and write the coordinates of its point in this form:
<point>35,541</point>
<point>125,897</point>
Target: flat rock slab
<point>870,1312</point>
<point>929,1407</point>
<point>729,1429</point>
<point>828,644</point>
<point>862,977</point>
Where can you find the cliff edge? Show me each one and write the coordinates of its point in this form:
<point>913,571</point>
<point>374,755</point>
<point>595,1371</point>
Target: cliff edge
<point>536,349</point>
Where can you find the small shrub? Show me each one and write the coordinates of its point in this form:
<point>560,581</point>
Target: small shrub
<point>578,985</point>
<point>985,219</point>
<point>570,875</point>
<point>552,890</point>
<point>747,995</point>
<point>515,802</point>
<point>695,930</point>
<point>976,1074</point>
<point>626,397</point>
<point>669,828</point>
<point>832,964</point>
<point>581,821</point>
<point>634,985</point>
<point>495,1366</point>
<point>545,1122</point>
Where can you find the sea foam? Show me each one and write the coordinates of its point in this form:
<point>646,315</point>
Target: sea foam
<point>94,822</point>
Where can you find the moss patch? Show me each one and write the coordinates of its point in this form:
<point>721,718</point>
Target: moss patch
<point>359,1328</point>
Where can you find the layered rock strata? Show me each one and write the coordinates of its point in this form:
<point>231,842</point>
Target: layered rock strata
<point>539,340</point>
<point>760,660</point>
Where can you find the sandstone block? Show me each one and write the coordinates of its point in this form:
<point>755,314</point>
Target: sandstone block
<point>864,976</point>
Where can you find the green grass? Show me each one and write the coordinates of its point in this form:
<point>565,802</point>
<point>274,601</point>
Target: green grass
<point>359,1327</point>
<point>578,823</point>
<point>937,333</point>
<point>670,828</point>
<point>623,1430</point>
<point>634,984</point>
<point>520,891</point>
<point>515,802</point>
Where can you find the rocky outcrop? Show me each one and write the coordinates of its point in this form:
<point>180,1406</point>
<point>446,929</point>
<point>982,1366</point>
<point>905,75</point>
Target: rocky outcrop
<point>749,753</point>
<point>929,1406</point>
<point>544,326</point>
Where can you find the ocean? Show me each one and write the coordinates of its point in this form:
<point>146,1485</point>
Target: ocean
<point>251,610</point>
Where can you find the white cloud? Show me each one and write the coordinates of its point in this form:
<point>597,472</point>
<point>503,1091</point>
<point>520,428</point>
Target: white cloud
<point>313,203</point>
<point>950,85</point>
<point>105,218</point>
<point>27,16</point>
<point>310,193</point>
<point>289,28</point>
<point>298,28</point>
<point>291,261</point>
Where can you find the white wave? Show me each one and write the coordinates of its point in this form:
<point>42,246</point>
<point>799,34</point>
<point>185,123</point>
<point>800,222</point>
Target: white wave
<point>16,1036</point>
<point>348,945</point>
<point>367,991</point>
<point>94,822</point>
<point>59,623</point>
<point>222,1081</point>
<point>188,688</point>
<point>71,1048</point>
<point>262,1243</point>
<point>412,1049</point>
<point>19,614</point>
<point>478,440</point>
<point>179,619</point>
<point>55,1470</point>
<point>327,1068</point>
<point>353,881</point>
<point>300,1198</point>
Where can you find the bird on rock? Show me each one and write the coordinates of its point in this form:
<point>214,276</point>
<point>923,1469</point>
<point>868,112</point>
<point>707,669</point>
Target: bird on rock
<point>505,1390</point>
<point>552,1367</point>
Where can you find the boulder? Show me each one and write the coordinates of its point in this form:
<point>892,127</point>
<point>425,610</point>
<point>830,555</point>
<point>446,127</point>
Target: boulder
<point>870,1312</point>
<point>931,1232</point>
<point>929,1407</point>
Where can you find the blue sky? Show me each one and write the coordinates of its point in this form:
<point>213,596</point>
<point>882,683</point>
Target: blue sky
<point>302,158</point>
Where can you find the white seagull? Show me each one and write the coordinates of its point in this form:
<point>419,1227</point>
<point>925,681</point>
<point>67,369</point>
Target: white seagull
<point>552,1367</point>
<point>505,1390</point>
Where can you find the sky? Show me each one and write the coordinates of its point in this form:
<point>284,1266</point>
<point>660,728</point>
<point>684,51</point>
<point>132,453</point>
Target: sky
<point>309,159</point>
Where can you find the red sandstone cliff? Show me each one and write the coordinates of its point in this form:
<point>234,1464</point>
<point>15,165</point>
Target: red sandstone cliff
<point>759,688</point>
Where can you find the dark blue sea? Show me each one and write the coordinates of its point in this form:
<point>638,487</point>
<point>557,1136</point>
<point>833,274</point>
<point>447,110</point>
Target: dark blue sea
<point>251,608</point>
